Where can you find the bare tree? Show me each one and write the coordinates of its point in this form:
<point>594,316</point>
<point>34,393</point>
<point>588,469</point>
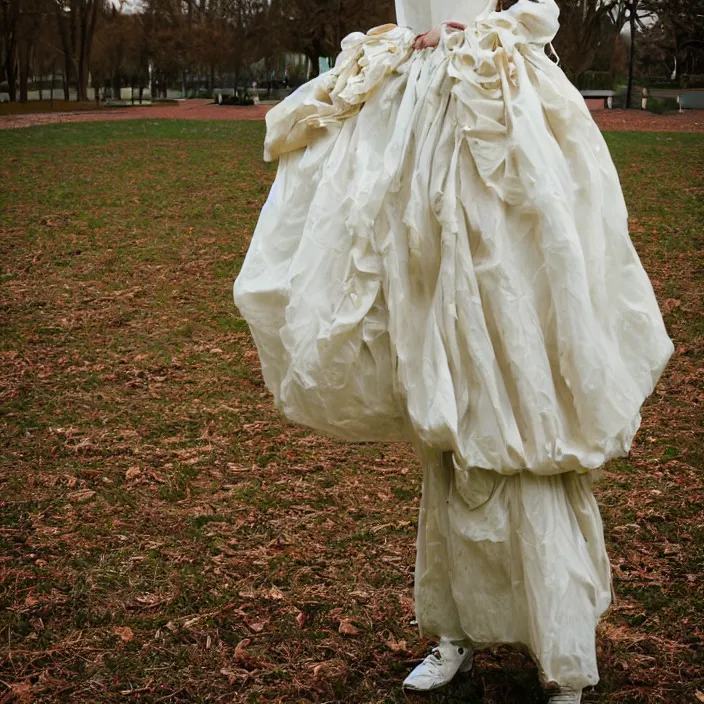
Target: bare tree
<point>679,31</point>
<point>585,27</point>
<point>26,44</point>
<point>632,7</point>
<point>9,23</point>
<point>46,54</point>
<point>76,22</point>
<point>31,18</point>
<point>245,22</point>
<point>316,27</point>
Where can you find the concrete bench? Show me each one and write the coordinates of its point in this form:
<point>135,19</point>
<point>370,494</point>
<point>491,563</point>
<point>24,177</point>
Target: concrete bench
<point>606,95</point>
<point>693,100</point>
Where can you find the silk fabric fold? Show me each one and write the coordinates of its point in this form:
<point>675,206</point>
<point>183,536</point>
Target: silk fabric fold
<point>444,255</point>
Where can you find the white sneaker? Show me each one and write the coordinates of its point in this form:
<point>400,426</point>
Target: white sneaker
<point>566,695</point>
<point>440,667</point>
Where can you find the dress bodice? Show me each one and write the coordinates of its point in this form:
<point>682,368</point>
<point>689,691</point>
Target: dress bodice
<point>422,15</point>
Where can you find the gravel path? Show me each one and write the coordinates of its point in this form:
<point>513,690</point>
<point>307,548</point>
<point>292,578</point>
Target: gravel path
<point>617,120</point>
<point>186,110</point>
<point>639,121</point>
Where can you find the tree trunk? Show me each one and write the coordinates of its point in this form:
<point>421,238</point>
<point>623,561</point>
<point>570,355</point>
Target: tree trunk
<point>679,64</point>
<point>10,69</point>
<point>67,78</point>
<point>87,42</point>
<point>77,29</point>
<point>614,54</point>
<point>67,51</point>
<point>70,47</point>
<point>82,73</point>
<point>314,65</point>
<point>24,77</point>
<point>631,55</point>
<point>9,20</point>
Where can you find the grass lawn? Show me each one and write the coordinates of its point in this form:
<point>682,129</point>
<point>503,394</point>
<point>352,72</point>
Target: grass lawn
<point>166,537</point>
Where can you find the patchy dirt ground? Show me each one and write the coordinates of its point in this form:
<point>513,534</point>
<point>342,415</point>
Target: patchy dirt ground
<point>608,120</point>
<point>166,537</point>
<point>639,121</point>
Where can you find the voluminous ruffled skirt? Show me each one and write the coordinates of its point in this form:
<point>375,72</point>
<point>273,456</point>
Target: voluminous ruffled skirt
<point>444,256</point>
<point>518,560</point>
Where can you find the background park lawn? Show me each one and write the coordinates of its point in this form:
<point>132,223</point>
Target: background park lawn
<point>166,537</point>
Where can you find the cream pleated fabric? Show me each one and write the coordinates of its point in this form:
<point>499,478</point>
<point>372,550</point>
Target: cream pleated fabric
<point>518,560</point>
<point>445,256</point>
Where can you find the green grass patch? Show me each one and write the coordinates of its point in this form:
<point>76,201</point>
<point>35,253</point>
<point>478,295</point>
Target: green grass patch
<point>166,536</point>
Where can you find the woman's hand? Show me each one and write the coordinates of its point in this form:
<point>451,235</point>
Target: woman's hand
<point>431,39</point>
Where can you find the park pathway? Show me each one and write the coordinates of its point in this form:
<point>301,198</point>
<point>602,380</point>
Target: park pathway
<point>608,120</point>
<point>184,110</point>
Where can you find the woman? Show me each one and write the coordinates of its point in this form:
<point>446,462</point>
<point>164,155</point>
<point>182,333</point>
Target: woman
<point>444,258</point>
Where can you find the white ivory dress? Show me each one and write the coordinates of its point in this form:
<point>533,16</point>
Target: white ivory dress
<point>444,258</point>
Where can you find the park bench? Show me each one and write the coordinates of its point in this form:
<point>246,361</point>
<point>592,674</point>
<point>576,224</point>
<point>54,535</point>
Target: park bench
<point>693,100</point>
<point>606,95</point>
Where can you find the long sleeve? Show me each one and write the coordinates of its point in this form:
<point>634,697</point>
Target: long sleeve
<point>422,15</point>
<point>415,14</point>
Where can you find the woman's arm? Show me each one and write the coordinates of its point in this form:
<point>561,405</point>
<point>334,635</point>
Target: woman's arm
<point>432,38</point>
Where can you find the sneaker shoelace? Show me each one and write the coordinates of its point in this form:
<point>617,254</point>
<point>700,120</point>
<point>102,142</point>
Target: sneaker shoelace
<point>435,661</point>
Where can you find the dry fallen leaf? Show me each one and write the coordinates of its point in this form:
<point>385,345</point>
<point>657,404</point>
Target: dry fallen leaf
<point>150,600</point>
<point>132,473</point>
<point>301,619</point>
<point>347,628</point>
<point>276,594</point>
<point>699,696</point>
<point>407,604</point>
<point>22,691</point>
<point>328,670</point>
<point>258,626</point>
<point>125,633</point>
<point>397,646</point>
<point>671,304</point>
<point>241,652</point>
<point>81,496</point>
<point>231,675</point>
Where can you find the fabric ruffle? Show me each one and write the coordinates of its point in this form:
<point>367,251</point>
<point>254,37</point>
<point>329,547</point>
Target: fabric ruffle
<point>445,255</point>
<point>518,560</point>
